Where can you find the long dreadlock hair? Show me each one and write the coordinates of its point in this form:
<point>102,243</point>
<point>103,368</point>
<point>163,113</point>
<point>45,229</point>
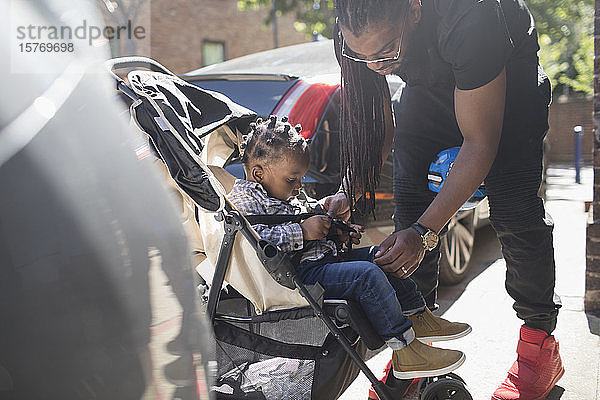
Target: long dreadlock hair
<point>364,94</point>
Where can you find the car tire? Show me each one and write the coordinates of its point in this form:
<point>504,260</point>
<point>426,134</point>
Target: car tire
<point>456,248</point>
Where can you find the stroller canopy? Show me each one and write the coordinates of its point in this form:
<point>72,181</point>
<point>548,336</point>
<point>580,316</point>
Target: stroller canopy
<point>167,103</point>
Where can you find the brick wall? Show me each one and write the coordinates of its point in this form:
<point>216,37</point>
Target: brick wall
<point>180,26</point>
<point>564,115</point>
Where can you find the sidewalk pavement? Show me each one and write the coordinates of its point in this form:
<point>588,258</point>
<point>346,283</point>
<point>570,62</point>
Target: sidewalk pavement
<point>483,302</point>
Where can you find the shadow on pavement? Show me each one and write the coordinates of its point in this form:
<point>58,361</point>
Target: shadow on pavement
<point>556,393</point>
<point>486,251</point>
<point>593,323</point>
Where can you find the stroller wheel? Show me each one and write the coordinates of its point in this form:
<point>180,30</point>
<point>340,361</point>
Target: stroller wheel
<point>424,382</point>
<point>454,376</point>
<point>444,387</point>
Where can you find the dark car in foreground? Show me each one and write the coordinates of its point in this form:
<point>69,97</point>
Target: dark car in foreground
<point>88,234</point>
<point>303,82</point>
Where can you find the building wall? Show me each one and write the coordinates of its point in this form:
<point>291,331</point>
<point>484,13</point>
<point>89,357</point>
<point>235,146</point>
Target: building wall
<point>180,26</point>
<point>564,115</point>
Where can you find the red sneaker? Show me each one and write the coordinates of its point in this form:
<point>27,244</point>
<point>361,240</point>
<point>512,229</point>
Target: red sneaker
<point>386,373</point>
<point>399,386</point>
<point>537,369</point>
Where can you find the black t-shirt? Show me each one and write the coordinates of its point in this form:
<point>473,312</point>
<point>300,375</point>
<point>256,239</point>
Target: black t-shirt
<point>465,44</point>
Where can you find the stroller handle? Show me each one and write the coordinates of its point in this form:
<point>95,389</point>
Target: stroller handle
<point>132,62</point>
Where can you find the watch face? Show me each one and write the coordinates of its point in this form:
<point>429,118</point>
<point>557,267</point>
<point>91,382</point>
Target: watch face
<point>430,240</point>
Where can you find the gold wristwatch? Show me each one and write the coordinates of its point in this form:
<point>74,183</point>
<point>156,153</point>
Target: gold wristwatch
<point>430,238</point>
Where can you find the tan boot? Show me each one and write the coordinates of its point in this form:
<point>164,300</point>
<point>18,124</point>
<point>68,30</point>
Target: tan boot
<point>431,328</point>
<point>419,360</point>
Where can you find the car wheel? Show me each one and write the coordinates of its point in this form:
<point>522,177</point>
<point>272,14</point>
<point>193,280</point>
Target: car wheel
<point>456,248</point>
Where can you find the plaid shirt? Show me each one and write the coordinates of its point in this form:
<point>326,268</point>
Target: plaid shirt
<point>250,198</point>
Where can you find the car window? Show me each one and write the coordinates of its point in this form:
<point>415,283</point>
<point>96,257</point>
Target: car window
<point>325,151</point>
<point>260,96</point>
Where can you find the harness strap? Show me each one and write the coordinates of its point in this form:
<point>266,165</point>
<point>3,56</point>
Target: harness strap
<point>277,219</point>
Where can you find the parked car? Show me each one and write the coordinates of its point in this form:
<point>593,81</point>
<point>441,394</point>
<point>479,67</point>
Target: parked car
<point>303,82</point>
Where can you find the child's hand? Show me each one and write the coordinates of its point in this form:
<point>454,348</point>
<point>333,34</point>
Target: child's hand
<point>337,206</point>
<point>315,227</point>
<point>354,236</point>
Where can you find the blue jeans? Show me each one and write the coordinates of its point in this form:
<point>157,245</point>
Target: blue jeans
<point>384,298</point>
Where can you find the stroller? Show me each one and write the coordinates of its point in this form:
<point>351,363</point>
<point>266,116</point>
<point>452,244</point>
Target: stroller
<point>276,338</point>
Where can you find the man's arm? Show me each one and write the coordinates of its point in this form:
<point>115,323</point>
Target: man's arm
<point>479,113</point>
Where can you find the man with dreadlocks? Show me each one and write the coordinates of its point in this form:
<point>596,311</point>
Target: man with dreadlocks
<point>473,80</point>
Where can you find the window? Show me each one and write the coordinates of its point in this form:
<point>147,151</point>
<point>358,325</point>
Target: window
<point>259,96</point>
<point>212,52</point>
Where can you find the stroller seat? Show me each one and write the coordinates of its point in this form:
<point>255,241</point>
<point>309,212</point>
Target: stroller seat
<point>280,303</point>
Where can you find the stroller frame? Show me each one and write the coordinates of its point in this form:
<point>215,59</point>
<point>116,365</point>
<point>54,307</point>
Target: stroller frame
<point>281,269</point>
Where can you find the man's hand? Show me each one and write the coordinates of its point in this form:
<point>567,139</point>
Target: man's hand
<point>337,206</point>
<point>316,227</point>
<point>354,236</point>
<point>401,253</point>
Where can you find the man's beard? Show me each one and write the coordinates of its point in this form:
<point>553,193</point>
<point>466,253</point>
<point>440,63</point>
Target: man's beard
<point>391,67</point>
<point>406,55</point>
<point>397,69</point>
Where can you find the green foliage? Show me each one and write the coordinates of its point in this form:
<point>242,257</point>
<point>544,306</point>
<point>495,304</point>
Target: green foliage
<point>583,62</point>
<point>312,15</point>
<point>551,57</point>
<point>566,32</point>
<point>565,29</point>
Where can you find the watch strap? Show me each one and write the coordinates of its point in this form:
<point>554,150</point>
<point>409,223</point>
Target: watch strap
<point>429,238</point>
<point>422,229</point>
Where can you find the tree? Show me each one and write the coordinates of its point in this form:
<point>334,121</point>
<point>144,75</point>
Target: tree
<point>565,29</point>
<point>311,15</point>
<point>566,33</point>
